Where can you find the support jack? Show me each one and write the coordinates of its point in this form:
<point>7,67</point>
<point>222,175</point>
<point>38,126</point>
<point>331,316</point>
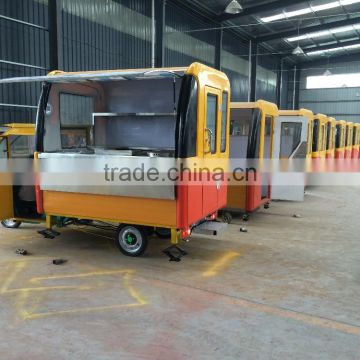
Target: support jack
<point>49,233</point>
<point>177,256</point>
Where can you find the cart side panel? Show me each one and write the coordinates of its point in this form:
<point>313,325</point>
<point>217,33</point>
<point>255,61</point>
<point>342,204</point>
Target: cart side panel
<point>152,212</point>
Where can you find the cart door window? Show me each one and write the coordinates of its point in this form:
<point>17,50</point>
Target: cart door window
<point>323,138</point>
<point>329,144</point>
<point>315,135</point>
<point>338,136</point>
<point>224,109</point>
<point>347,136</point>
<point>268,137</point>
<point>211,117</point>
<point>310,136</point>
<point>290,138</point>
<point>3,148</point>
<point>354,142</point>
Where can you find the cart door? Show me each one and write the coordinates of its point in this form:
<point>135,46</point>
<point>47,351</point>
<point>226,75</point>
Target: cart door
<point>212,129</point>
<point>290,142</point>
<point>6,197</point>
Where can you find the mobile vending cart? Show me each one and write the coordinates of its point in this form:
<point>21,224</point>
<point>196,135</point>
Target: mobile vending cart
<point>17,202</point>
<point>340,139</point>
<point>291,142</point>
<point>349,140</point>
<point>150,117</point>
<point>251,137</point>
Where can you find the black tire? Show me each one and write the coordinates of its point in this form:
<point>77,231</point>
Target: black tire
<point>227,217</point>
<point>10,223</point>
<point>163,233</point>
<point>131,240</point>
<point>246,217</point>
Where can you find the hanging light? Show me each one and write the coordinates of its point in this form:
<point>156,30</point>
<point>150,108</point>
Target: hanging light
<point>298,51</point>
<point>233,7</point>
<point>328,72</point>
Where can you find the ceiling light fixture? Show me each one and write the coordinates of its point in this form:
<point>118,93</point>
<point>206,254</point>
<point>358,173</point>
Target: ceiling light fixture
<point>298,51</point>
<point>340,48</point>
<point>308,10</point>
<point>234,7</point>
<point>324,33</point>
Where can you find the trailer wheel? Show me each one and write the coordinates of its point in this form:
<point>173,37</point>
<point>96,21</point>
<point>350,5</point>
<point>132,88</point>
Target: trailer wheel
<point>227,217</point>
<point>246,217</point>
<point>163,233</point>
<point>131,240</point>
<point>10,223</point>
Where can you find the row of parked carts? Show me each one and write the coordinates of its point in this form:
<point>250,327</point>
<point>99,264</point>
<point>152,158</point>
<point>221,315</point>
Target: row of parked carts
<point>158,117</point>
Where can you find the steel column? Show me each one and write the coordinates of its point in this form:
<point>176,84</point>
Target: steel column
<point>253,70</point>
<point>55,34</point>
<point>159,32</point>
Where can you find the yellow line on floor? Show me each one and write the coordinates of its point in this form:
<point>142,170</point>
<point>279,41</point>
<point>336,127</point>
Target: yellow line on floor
<point>214,269</point>
<point>94,273</point>
<point>28,316</point>
<point>48,288</point>
<point>19,266</point>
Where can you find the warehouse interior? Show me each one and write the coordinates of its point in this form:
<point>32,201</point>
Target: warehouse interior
<point>282,282</point>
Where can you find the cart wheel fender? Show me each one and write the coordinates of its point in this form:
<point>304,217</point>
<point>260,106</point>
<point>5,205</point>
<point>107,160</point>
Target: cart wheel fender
<point>10,223</point>
<point>131,240</point>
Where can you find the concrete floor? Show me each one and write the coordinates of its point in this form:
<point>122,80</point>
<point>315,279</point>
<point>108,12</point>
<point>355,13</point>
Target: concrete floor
<point>289,288</point>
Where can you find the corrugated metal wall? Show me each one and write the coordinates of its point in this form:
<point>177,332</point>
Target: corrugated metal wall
<point>234,62</point>
<point>266,81</point>
<point>23,52</point>
<point>103,34</point>
<point>182,45</point>
<point>341,103</point>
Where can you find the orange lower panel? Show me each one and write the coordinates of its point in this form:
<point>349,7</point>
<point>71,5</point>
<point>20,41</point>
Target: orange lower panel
<point>151,212</point>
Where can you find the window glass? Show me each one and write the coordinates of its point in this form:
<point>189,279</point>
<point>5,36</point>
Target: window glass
<point>309,138</point>
<point>245,133</point>
<point>22,146</point>
<point>315,135</point>
<point>223,121</point>
<point>290,138</point>
<point>323,138</point>
<point>3,148</point>
<point>354,142</point>
<point>348,136</point>
<point>338,136</point>
<point>211,115</point>
<point>333,81</point>
<point>267,139</point>
<point>329,144</point>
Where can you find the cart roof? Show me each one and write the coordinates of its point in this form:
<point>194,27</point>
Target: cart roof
<point>64,77</point>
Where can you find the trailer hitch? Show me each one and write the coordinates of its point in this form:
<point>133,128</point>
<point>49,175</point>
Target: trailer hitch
<point>174,256</point>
